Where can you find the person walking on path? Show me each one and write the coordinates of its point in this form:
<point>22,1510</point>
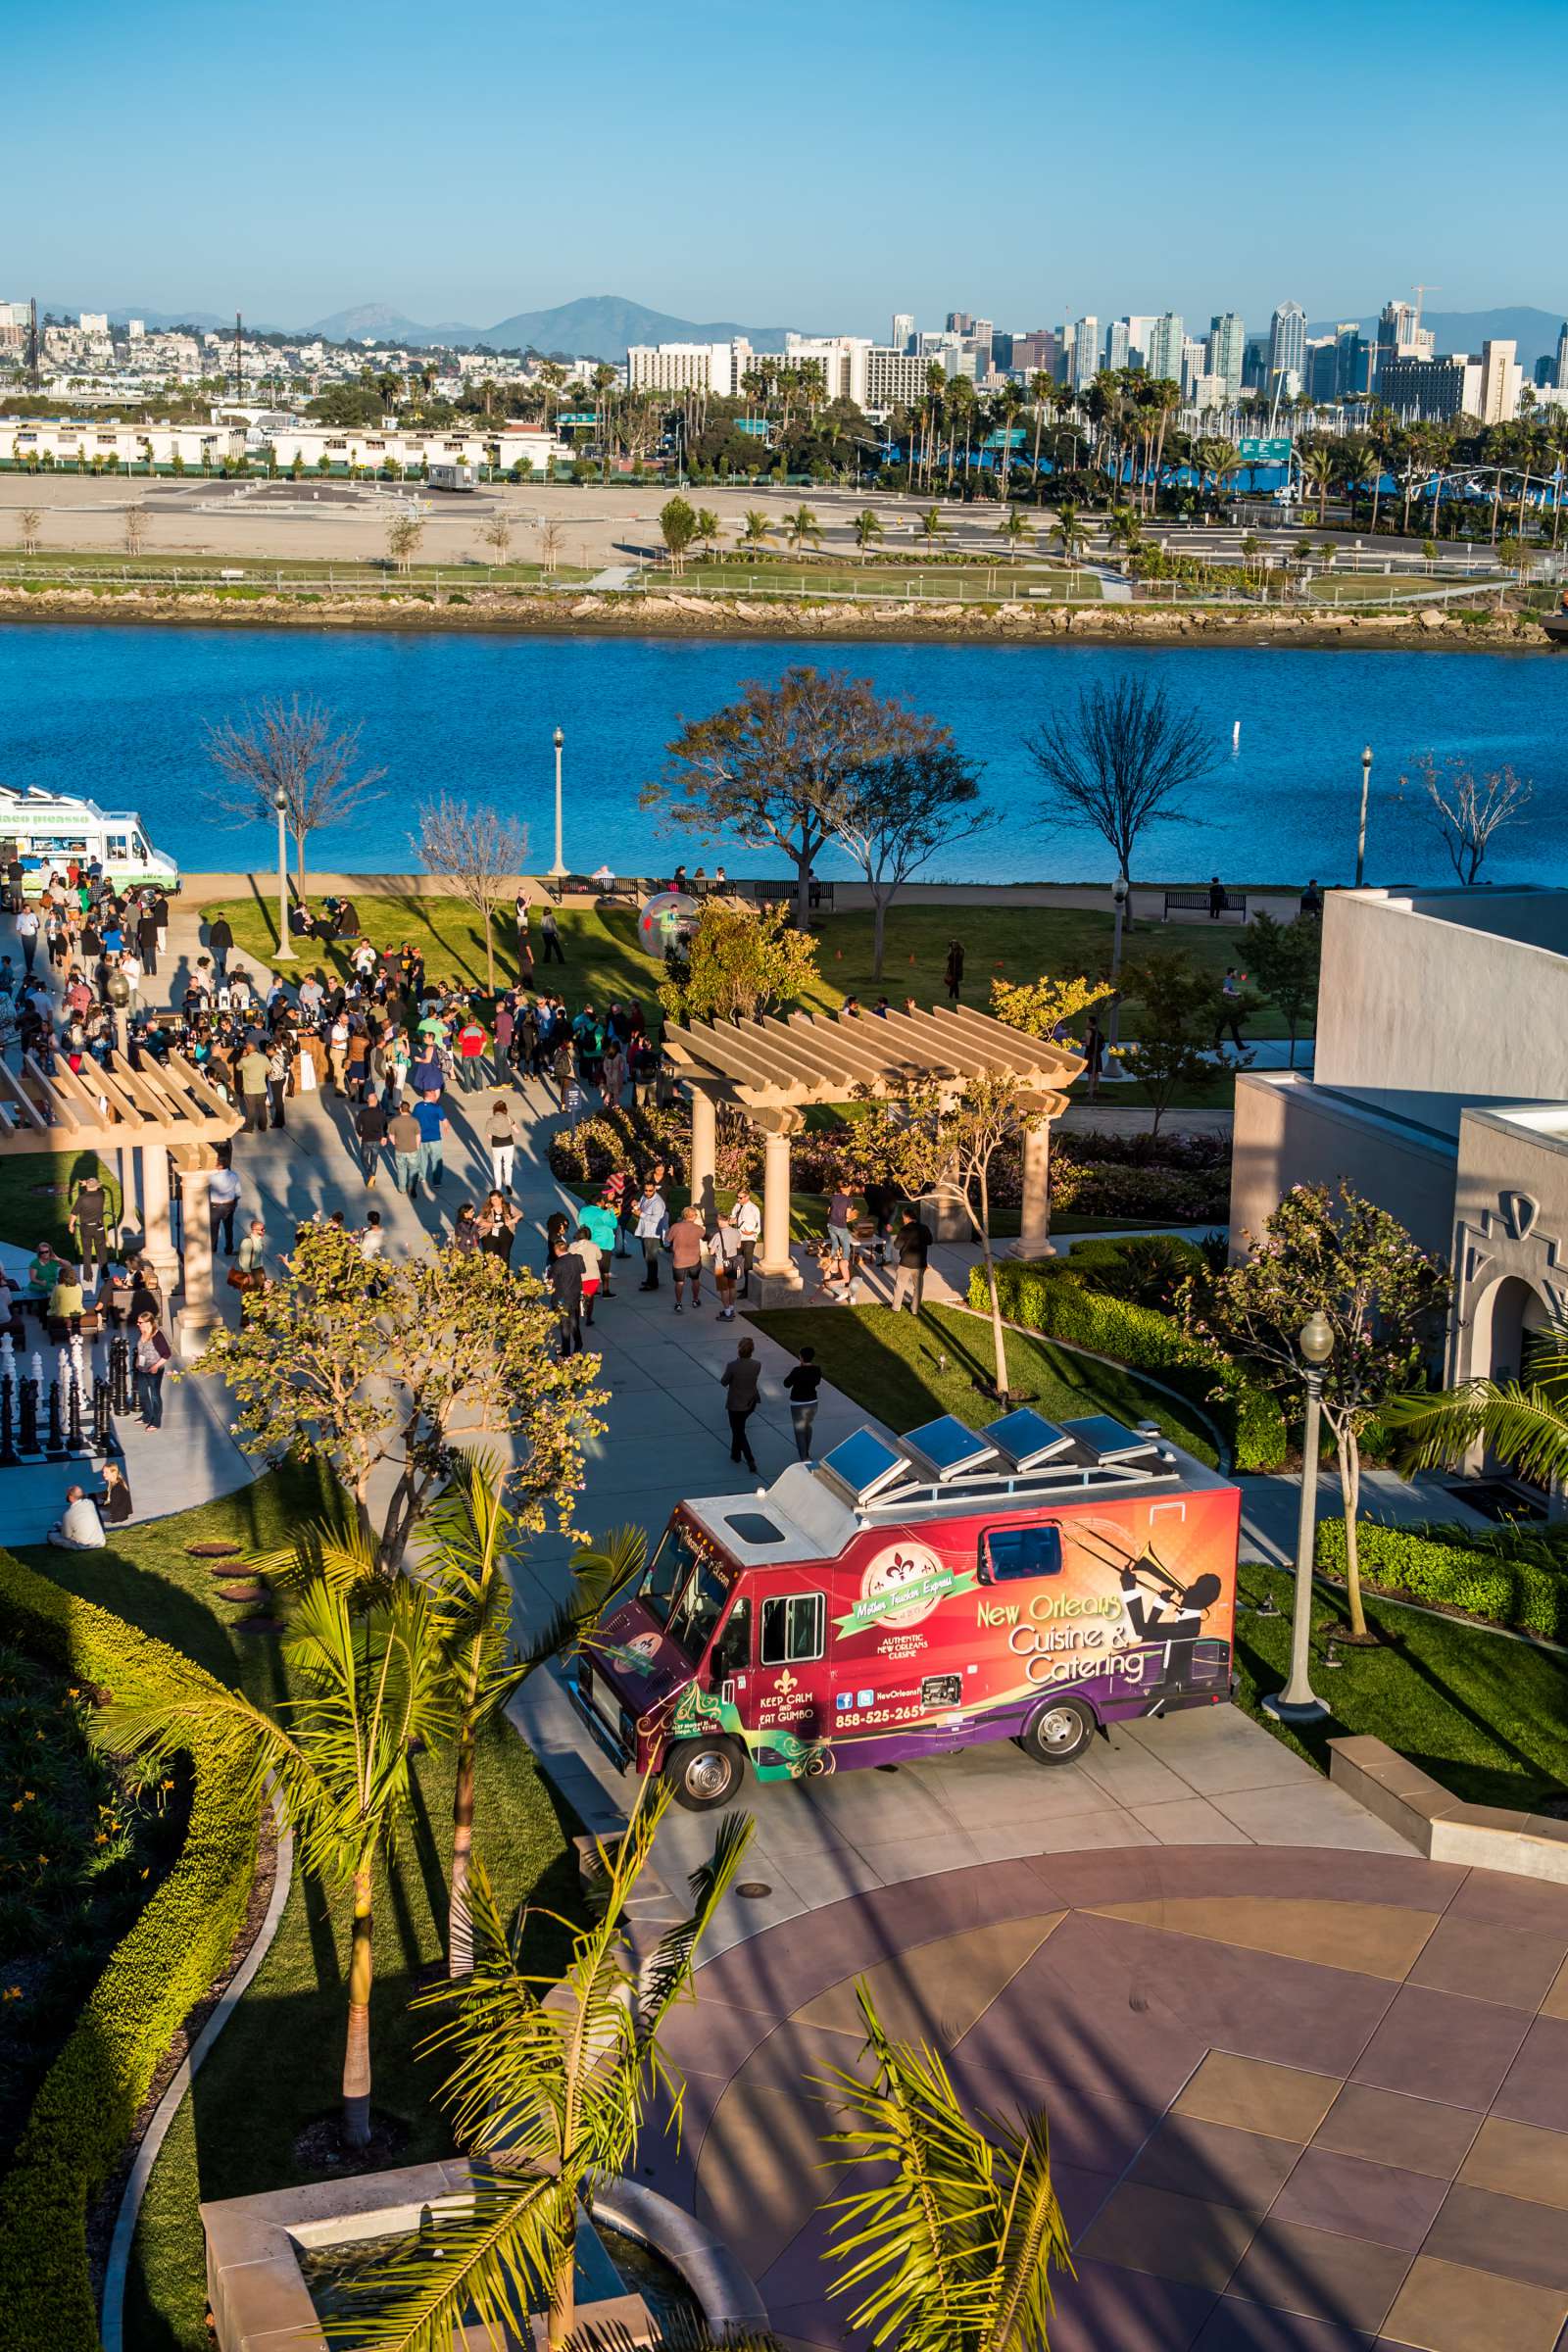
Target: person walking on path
<point>686,1257</point>
<point>724,1252</point>
<point>502,1137</point>
<point>912,1248</point>
<point>1217,901</point>
<point>431,1120</point>
<point>152,1356</point>
<point>549,933</point>
<point>748,1223</point>
<point>564,1278</point>
<point>651,1225</point>
<point>471,1042</point>
<point>604,1226</point>
<point>404,1135</point>
<point>800,1385</point>
<point>584,1246</point>
<point>952,970</point>
<point>252,1075</point>
<point>742,1381</point>
<point>1229,1015</point>
<point>840,1214</point>
<point>369,1128</point>
<point>221,939</point>
<point>27,933</point>
<point>222,1199</point>
<point>89,1224</point>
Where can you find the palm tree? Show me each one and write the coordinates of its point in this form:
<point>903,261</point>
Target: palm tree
<point>1523,1422</point>
<point>931,522</point>
<point>709,530</point>
<point>365,1653</point>
<point>1042,386</point>
<point>1069,531</point>
<point>868,526</point>
<point>549,2090</point>
<point>1015,527</point>
<point>1319,470</point>
<point>756,529</point>
<point>801,526</point>
<point>950,2246</point>
<point>1125,530</point>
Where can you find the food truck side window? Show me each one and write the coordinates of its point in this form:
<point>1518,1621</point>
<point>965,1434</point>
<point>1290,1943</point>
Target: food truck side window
<point>663,1580</point>
<point>1009,1553</point>
<point>696,1612</point>
<point>733,1652</point>
<point>792,1629</point>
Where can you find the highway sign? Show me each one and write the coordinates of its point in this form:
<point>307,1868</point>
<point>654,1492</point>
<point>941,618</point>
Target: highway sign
<point>1255,452</point>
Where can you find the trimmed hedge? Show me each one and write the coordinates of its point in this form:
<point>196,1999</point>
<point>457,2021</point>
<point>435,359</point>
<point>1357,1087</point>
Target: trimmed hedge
<point>1043,1294</point>
<point>1505,1583</point>
<point>78,2127</point>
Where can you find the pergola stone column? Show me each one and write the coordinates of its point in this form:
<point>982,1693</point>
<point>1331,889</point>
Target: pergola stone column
<point>157,1240</point>
<point>198,1307</point>
<point>776,1270</point>
<point>705,1151</point>
<point>1034,1218</point>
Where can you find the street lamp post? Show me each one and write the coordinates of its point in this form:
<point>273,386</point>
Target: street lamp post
<point>1360,839</point>
<point>285,946</point>
<point>1299,1702</point>
<point>1120,892</point>
<point>558,870</point>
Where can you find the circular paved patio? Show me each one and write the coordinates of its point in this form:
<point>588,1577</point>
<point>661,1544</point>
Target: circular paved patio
<point>1298,2100</point>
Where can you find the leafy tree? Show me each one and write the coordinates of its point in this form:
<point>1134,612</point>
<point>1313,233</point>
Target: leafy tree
<point>897,813</point>
<point>739,964</point>
<point>802,528</point>
<point>932,523</point>
<point>1119,758</point>
<point>377,1367</point>
<point>1283,958</point>
<point>497,536</point>
<point>365,1653</point>
<point>940,1140</point>
<point>1465,811</point>
<point>29,522</point>
<point>296,749</point>
<point>1040,1007</point>
<point>404,534</point>
<point>774,767</point>
<point>136,528</point>
<point>1176,997</point>
<point>1353,1263</point>
<point>709,528</point>
<point>950,2246</point>
<point>678,524</point>
<point>549,2087</point>
<point>480,853</point>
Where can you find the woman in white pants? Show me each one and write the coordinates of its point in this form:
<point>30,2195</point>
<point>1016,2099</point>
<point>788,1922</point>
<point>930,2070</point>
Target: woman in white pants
<point>503,1142</point>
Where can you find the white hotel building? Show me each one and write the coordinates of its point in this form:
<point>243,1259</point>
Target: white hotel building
<point>876,377</point>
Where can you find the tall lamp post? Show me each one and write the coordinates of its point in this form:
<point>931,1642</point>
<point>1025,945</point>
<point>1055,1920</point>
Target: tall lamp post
<point>1360,839</point>
<point>285,946</point>
<point>558,869</point>
<point>1120,892</point>
<point>1299,1702</point>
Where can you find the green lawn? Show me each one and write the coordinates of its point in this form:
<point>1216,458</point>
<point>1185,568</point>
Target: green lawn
<point>985,582</point>
<point>196,571</point>
<point>1486,1716</point>
<point>604,959</point>
<point>277,2065</point>
<point>35,1189</point>
<point>893,1365</point>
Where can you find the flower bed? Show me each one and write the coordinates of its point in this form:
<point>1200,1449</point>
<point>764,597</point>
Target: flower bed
<point>1047,1296</point>
<point>83,2111</point>
<point>1518,1582</point>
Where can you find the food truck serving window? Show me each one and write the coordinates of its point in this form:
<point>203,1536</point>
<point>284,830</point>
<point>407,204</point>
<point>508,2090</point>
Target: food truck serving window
<point>1009,1553</point>
<point>792,1629</point>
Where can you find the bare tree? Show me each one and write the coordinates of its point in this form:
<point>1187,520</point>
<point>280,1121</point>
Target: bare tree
<point>30,524</point>
<point>1465,809</point>
<point>403,536</point>
<point>136,528</point>
<point>898,812</point>
<point>550,538</point>
<point>497,536</point>
<point>1122,755</point>
<point>481,852</point>
<point>295,749</point>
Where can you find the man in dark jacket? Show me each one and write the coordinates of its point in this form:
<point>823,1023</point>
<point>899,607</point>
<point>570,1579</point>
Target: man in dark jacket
<point>564,1277</point>
<point>221,939</point>
<point>911,1246</point>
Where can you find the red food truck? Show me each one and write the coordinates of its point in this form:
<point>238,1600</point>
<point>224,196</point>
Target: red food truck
<point>905,1598</point>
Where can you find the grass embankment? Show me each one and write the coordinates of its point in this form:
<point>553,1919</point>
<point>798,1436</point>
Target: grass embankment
<point>188,569</point>
<point>893,1365</point>
<point>35,1189</point>
<point>973,581</point>
<point>1486,1716</point>
<point>276,2067</point>
<point>604,961</point>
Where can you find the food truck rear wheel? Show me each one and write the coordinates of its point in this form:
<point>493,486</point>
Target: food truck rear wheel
<point>1059,1732</point>
<point>702,1773</point>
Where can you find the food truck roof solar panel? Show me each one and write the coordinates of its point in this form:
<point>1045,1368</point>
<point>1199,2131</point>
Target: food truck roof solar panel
<point>863,1464</point>
<point>1027,1439</point>
<point>1105,1439</point>
<point>946,1448</point>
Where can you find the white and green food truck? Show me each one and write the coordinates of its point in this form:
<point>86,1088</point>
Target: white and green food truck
<point>45,830</point>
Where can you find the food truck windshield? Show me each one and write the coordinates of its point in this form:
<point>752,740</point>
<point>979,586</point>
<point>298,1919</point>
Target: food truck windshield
<point>683,1594</point>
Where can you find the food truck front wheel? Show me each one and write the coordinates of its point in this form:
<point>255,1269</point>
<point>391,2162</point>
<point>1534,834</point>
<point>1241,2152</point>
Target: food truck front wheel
<point>702,1773</point>
<point>1059,1732</point>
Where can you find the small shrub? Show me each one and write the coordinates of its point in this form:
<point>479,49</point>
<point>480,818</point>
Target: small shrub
<point>1505,1579</point>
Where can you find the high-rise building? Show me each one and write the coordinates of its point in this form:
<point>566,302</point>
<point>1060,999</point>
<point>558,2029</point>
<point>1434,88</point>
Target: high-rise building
<point>1083,355</point>
<point>1162,355</point>
<point>1118,345</point>
<point>1322,373</point>
<point>893,379</point>
<point>1286,347</point>
<point>903,330</point>
<point>959,322</point>
<point>1436,389</point>
<point>1500,382</point>
<point>1353,371</point>
<point>1036,352</point>
<point>1002,350</point>
<point>1255,363</point>
<point>1195,366</point>
<point>1227,345</point>
<point>1562,357</point>
<point>1140,326</point>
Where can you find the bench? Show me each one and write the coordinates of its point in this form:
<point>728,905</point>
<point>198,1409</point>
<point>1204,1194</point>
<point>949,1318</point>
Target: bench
<point>1191,906</point>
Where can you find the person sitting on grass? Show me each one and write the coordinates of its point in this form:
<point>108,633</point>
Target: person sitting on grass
<point>79,1527</point>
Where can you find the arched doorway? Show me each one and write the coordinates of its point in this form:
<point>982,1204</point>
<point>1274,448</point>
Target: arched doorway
<point>1512,1321</point>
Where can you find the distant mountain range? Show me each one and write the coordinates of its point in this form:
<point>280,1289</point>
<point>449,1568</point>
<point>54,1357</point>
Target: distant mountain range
<point>1535,332</point>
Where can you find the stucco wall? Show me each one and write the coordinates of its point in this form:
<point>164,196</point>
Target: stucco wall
<point>1511,1224</point>
<point>1288,1130</point>
<point>1424,1014</point>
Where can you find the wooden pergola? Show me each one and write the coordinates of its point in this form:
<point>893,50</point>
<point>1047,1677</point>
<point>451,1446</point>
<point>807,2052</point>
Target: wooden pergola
<point>774,1069</point>
<point>141,1122</point>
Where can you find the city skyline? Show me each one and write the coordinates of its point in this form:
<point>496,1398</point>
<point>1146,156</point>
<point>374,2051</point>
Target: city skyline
<point>495,193</point>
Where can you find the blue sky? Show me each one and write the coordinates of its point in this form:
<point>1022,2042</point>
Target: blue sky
<point>817,165</point>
